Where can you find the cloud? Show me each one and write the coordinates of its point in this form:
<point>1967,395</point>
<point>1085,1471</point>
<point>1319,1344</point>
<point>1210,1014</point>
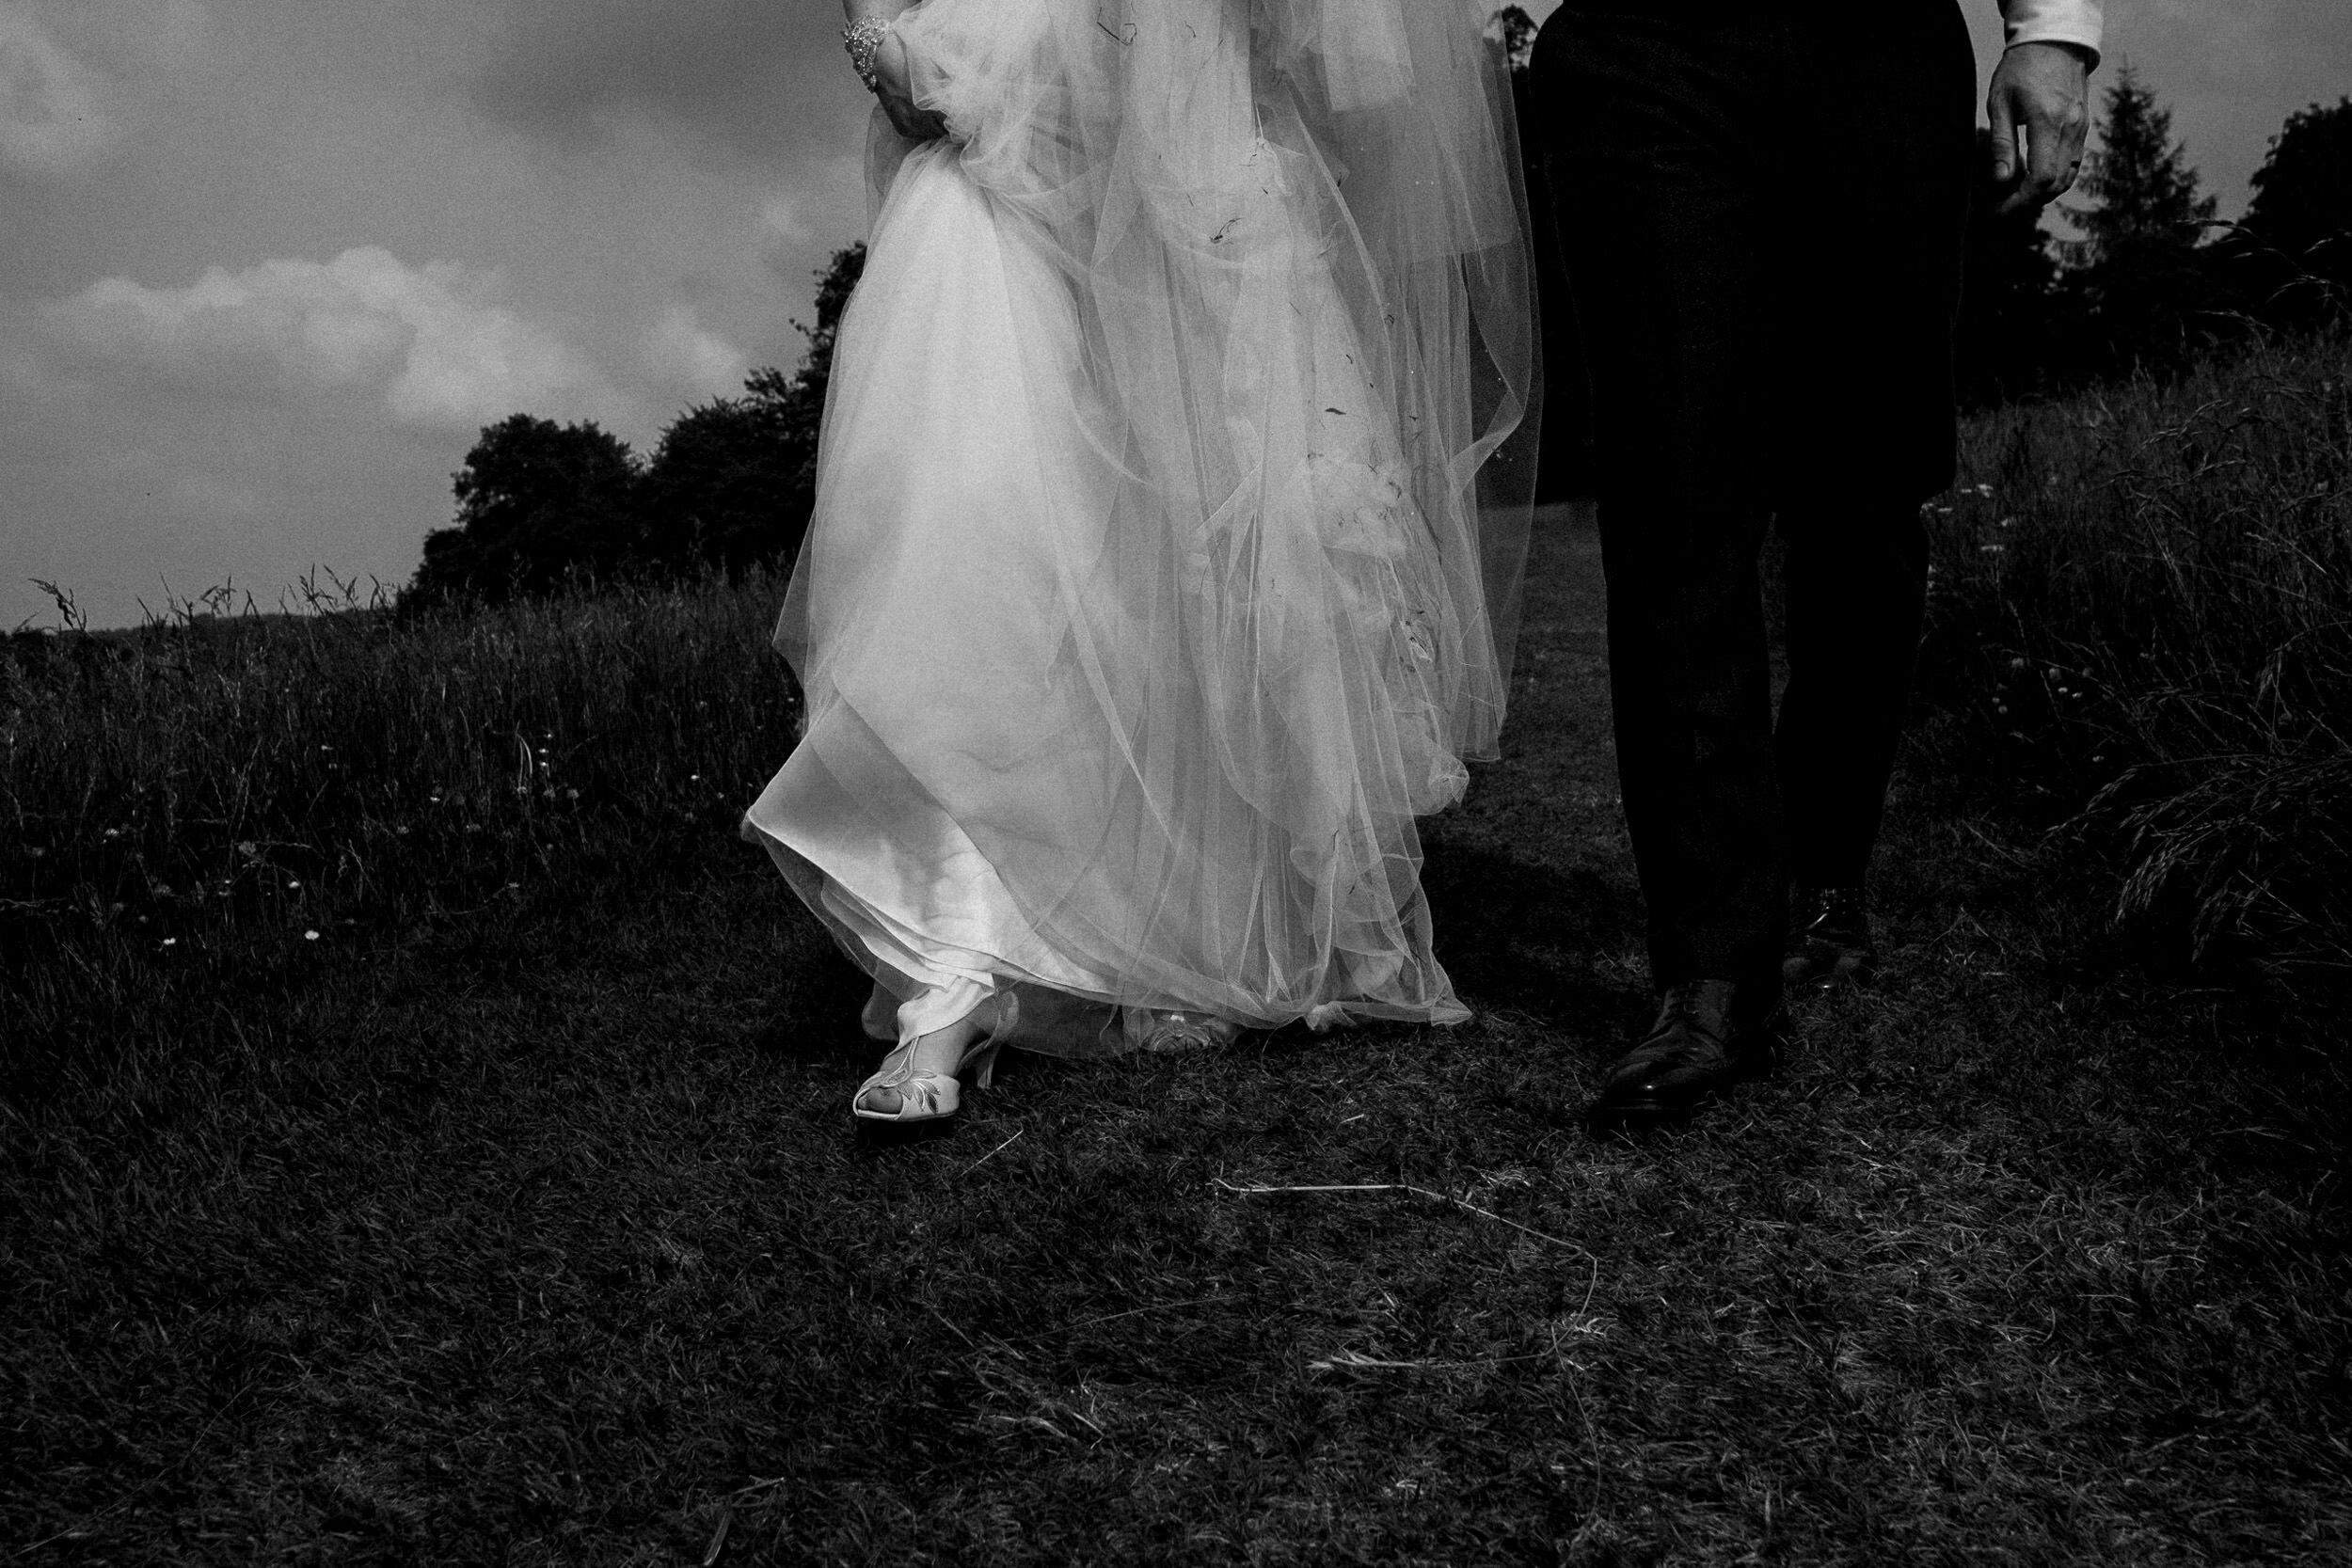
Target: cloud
<point>173,35</point>
<point>50,118</point>
<point>431,340</point>
<point>682,350</point>
<point>751,75</point>
<point>785,217</point>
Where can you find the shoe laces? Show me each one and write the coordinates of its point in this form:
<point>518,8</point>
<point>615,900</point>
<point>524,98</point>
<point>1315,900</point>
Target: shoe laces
<point>1704,1005</point>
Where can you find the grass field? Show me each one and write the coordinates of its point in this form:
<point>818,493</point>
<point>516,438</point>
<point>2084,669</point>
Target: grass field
<point>2143,632</point>
<point>515,1217</point>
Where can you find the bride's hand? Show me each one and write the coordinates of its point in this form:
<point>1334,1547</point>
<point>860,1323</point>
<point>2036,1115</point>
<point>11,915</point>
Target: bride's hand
<point>894,85</point>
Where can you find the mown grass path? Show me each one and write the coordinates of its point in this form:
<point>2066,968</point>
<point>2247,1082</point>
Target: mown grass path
<point>539,1235</point>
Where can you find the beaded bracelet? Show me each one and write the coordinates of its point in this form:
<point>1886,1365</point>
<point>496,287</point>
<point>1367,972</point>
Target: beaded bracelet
<point>863,39</point>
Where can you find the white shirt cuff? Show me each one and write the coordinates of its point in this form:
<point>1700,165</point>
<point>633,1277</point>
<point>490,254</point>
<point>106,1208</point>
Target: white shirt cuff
<point>2075,22</point>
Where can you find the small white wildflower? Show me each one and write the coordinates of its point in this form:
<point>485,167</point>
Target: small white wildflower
<point>171,942</point>
<point>309,936</point>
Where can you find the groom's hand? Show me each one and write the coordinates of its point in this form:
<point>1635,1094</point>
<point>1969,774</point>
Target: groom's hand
<point>2040,97</point>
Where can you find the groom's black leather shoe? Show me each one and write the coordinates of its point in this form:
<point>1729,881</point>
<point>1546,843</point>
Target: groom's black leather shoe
<point>1709,1034</point>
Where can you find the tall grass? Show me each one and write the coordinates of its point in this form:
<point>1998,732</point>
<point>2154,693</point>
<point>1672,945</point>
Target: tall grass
<point>208,789</point>
<point>2142,628</point>
<point>2142,622</point>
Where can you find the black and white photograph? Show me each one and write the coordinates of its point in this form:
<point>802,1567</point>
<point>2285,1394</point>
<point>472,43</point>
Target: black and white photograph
<point>1176,781</point>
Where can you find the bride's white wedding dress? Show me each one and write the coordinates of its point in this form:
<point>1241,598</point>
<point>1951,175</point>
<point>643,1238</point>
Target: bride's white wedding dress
<point>1148,597</point>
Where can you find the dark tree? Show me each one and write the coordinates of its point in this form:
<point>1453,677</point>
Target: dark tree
<point>2140,180</point>
<point>800,398</point>
<point>731,482</point>
<point>735,479</point>
<point>727,485</point>
<point>2297,240</point>
<point>538,505</point>
<point>2146,287</point>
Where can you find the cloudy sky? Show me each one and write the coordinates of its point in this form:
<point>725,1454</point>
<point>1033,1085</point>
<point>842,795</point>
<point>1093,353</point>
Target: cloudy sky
<point>266,266</point>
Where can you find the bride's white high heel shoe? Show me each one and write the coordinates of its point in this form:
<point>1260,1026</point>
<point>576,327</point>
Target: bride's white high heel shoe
<point>925,1095</point>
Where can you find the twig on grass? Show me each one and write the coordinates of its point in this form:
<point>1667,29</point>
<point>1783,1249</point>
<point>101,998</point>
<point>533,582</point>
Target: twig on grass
<point>1355,1361</point>
<point>75,1531</point>
<point>719,1537</point>
<point>757,1483</point>
<point>990,1155</point>
<point>1239,1191</point>
<point>1137,1311</point>
<point>948,1323</point>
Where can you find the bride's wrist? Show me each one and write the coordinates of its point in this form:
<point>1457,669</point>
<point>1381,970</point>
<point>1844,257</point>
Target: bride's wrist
<point>863,40</point>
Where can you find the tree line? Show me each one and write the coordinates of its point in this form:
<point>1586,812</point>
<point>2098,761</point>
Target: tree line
<point>2151,283</point>
<point>730,483</point>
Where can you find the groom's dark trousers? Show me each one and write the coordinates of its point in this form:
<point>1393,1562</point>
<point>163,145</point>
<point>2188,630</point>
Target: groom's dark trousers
<point>1762,206</point>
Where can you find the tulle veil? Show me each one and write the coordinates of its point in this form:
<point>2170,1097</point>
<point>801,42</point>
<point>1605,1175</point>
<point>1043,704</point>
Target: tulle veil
<point>1293,358</point>
<point>1136,133</point>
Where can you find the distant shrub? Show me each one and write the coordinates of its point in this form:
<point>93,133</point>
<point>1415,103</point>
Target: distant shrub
<point>542,507</point>
<point>539,506</point>
<point>2291,256</point>
<point>2142,620</point>
<point>214,782</point>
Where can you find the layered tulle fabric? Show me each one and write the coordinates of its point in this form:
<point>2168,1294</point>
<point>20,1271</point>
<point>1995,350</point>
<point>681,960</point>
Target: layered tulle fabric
<point>1171,500</point>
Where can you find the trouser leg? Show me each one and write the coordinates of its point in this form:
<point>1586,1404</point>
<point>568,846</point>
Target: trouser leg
<point>1867,432</point>
<point>1855,575</point>
<point>1690,687</point>
<point>1660,215</point>
<point>1743,360</point>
